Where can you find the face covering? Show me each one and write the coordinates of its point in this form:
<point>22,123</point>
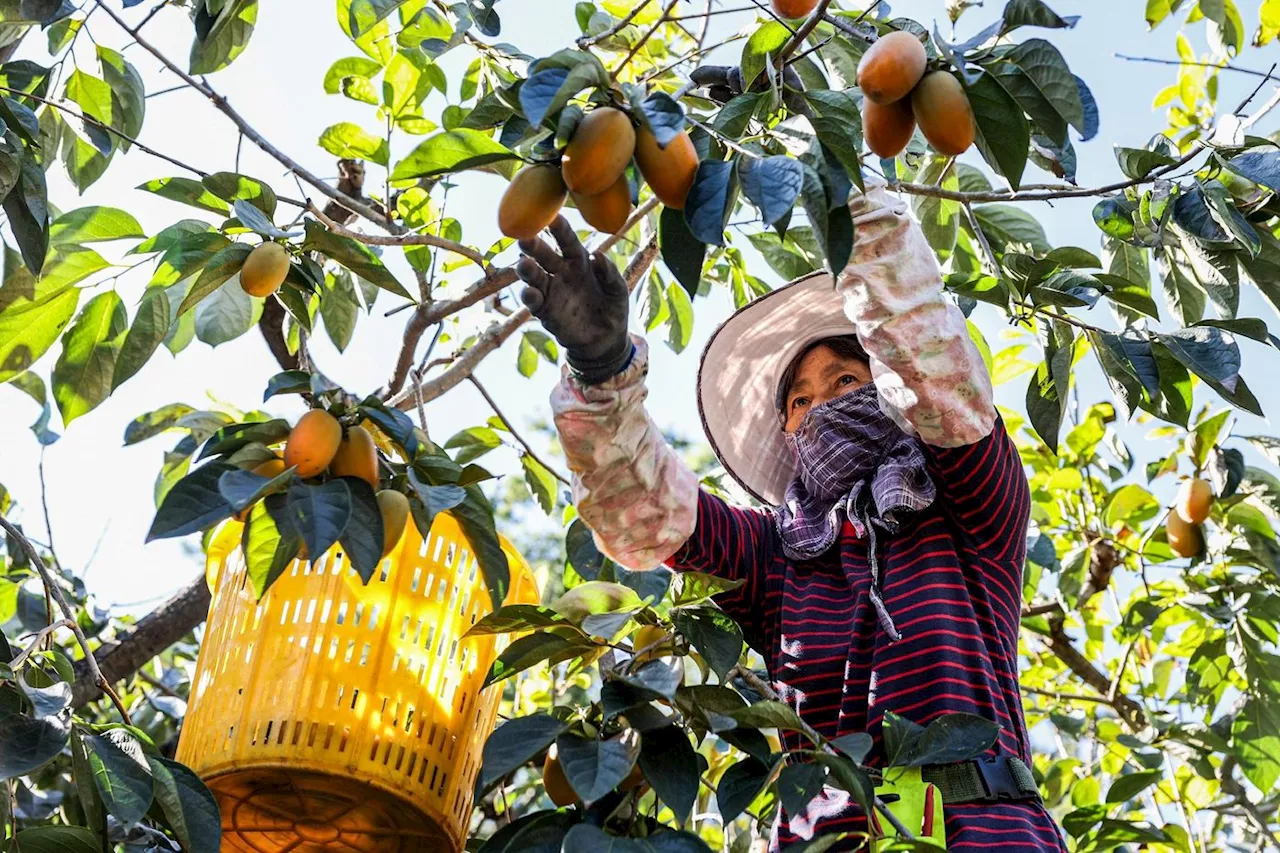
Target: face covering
<point>854,463</point>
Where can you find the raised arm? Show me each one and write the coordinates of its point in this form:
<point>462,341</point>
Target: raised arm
<point>930,376</point>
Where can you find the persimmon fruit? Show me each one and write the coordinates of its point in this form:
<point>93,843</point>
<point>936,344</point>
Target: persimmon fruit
<point>943,112</point>
<point>608,211</point>
<point>531,201</point>
<point>313,443</point>
<point>1195,500</point>
<point>888,127</point>
<point>1186,539</point>
<point>794,8</point>
<point>599,151</point>
<point>669,171</point>
<point>357,456</point>
<point>395,516</point>
<point>555,782</point>
<point>647,636</point>
<point>265,269</point>
<point>891,67</point>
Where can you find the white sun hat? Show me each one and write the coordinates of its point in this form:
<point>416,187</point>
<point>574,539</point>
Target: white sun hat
<point>746,357</point>
<point>741,367</point>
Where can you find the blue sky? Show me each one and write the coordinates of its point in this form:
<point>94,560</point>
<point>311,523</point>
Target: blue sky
<point>100,493</point>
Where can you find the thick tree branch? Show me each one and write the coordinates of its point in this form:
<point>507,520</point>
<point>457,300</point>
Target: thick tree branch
<point>151,635</point>
<point>271,324</point>
<point>68,612</point>
<point>1130,711</point>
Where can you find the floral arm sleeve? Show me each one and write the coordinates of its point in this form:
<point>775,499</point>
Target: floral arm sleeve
<point>930,376</point>
<point>631,489</point>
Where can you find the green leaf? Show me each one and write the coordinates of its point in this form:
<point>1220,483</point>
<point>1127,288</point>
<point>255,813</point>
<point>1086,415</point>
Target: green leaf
<point>57,839</point>
<point>680,314</point>
<point>767,39</point>
<point>516,618</point>
<point>128,94</point>
<point>717,637</point>
<point>190,810</point>
<point>1044,66</point>
<point>740,785</point>
<point>450,151</point>
<point>154,423</point>
<point>94,224</point>
<point>27,207</point>
<point>939,218</point>
<point>232,437</point>
<point>532,650</point>
<point>231,187</point>
<point>226,314</point>
<point>82,376</point>
<point>798,784</point>
<point>27,743</point>
<point>838,124</point>
<point>351,77</point>
<point>1130,368</point>
<point>683,253</point>
<point>150,325</point>
<point>32,315</point>
<point>709,203</point>
<point>1003,136</point>
<point>269,543</point>
<point>362,539</point>
<point>188,192</point>
<point>1128,786</point>
<point>1137,163</point>
<point>319,513</point>
<point>363,15</point>
<point>1047,391</point>
<point>1008,226</point>
<point>222,37</point>
<point>242,488</point>
<point>121,773</point>
<point>670,766</point>
<point>595,767</point>
<point>340,308</point>
<point>555,80</point>
<point>192,504</point>
<point>472,443</point>
<point>772,184</point>
<point>1045,116</point>
<point>354,256</point>
<point>541,482</point>
<point>1255,736</point>
<point>514,743</point>
<point>347,139</point>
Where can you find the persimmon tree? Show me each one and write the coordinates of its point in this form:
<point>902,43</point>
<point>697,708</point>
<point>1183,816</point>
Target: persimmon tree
<point>1149,636</point>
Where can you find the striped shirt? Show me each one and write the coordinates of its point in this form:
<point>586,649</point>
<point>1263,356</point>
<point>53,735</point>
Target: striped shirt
<point>952,579</point>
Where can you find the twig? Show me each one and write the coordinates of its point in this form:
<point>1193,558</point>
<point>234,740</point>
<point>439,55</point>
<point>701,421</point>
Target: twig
<point>815,17</point>
<point>988,255</point>
<point>1230,784</point>
<point>1041,609</point>
<point>691,54</point>
<point>108,128</point>
<point>1224,66</point>
<point>1129,710</point>
<point>160,686</point>
<point>1257,88</point>
<point>1066,697</point>
<point>586,41</point>
<point>354,205</point>
<point>728,142</point>
<point>708,13</point>
<point>407,239</point>
<point>36,641</point>
<point>626,60</point>
<point>34,557</point>
<point>528,448</point>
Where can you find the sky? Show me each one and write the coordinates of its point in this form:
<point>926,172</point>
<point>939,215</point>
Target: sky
<point>100,493</point>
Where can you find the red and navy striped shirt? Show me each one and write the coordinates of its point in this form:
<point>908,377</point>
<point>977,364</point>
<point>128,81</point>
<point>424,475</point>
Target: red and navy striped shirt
<point>952,580</point>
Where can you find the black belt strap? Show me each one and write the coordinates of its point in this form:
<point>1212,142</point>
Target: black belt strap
<point>986,779</point>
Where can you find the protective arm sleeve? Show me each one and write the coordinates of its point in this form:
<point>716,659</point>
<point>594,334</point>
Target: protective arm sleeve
<point>930,377</point>
<point>630,487</point>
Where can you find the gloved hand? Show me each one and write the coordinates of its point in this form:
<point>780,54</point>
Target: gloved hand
<point>582,301</point>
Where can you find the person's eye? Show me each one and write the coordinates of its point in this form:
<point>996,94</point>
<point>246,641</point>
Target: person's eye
<point>799,402</point>
<point>848,379</point>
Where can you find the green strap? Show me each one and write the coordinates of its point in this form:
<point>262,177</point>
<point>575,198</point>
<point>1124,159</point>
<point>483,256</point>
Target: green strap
<point>962,782</point>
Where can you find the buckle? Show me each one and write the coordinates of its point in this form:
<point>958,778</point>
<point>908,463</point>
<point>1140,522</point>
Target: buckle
<point>996,778</point>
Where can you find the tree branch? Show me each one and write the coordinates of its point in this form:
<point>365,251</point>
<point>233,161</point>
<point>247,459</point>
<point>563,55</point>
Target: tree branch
<point>150,636</point>
<point>1224,66</point>
<point>53,589</point>
<point>404,239</point>
<point>1232,786</point>
<point>798,37</point>
<point>271,324</point>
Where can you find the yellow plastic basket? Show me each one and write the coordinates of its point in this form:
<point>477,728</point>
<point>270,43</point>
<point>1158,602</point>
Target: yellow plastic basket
<point>338,716</point>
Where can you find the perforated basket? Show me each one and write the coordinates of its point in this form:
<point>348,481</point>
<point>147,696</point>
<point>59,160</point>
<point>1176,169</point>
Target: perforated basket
<point>338,716</point>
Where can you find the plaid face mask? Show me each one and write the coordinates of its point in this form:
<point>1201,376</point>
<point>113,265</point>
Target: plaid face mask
<point>853,463</point>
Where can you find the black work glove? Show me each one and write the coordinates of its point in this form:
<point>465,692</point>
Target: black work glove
<point>581,299</point>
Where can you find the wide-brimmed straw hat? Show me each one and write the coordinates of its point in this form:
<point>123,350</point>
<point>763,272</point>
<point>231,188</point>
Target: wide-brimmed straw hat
<point>741,367</point>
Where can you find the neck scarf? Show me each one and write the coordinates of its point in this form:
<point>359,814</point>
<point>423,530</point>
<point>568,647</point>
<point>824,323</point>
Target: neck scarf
<point>853,463</point>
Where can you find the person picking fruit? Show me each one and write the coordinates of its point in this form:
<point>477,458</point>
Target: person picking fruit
<point>883,571</point>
